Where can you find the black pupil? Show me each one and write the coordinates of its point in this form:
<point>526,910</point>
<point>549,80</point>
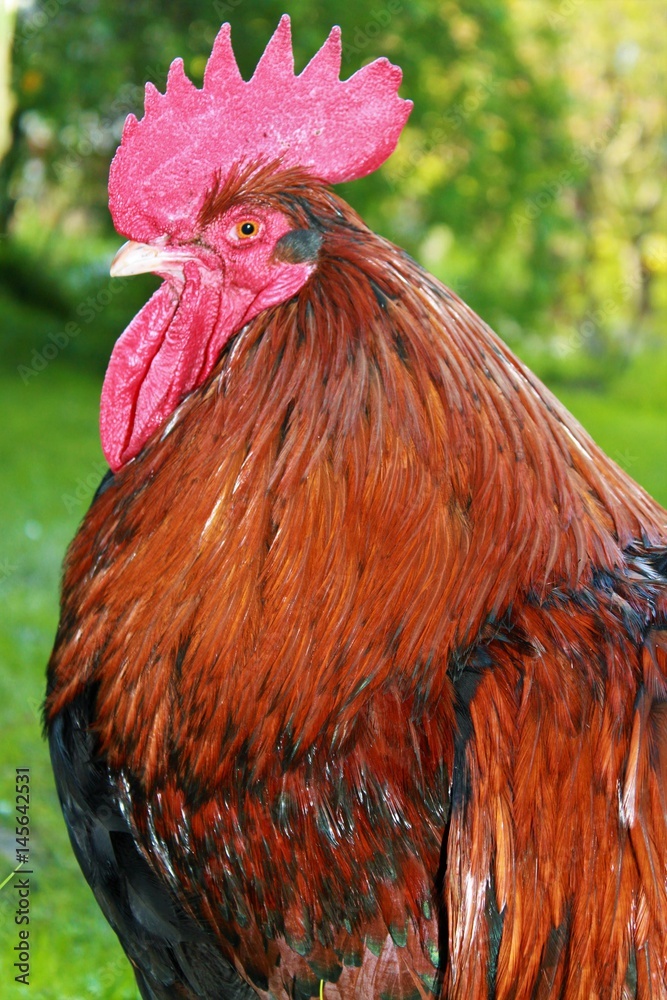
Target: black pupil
<point>247,228</point>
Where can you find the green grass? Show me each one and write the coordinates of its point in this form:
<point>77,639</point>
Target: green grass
<point>636,439</point>
<point>50,457</point>
<point>50,460</point>
<point>629,419</point>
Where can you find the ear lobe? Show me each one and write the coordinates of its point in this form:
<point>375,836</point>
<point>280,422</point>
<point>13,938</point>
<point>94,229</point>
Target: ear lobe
<point>299,246</point>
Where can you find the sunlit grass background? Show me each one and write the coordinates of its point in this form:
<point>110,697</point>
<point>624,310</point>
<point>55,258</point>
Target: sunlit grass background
<point>571,270</point>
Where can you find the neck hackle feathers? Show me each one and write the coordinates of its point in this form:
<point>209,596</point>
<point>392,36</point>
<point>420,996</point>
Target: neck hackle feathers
<point>336,130</point>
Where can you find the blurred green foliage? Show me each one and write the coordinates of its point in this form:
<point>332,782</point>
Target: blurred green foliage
<point>528,177</point>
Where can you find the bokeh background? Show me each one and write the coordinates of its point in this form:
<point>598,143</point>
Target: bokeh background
<point>530,178</point>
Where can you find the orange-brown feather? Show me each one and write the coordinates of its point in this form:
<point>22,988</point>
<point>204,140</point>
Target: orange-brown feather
<point>370,505</point>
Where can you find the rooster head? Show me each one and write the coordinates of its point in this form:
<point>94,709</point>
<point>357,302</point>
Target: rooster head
<point>190,188</point>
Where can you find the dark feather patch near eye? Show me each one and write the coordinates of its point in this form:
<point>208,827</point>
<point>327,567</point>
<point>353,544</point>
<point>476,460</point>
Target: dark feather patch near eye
<point>299,246</point>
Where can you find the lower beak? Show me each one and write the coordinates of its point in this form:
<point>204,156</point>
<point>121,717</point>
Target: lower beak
<point>139,258</point>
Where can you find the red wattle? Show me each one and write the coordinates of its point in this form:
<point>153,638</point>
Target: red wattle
<point>163,354</point>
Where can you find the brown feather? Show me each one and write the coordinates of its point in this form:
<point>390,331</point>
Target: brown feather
<point>367,602</point>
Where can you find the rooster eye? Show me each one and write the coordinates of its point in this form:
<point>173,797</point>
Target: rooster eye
<point>246,228</point>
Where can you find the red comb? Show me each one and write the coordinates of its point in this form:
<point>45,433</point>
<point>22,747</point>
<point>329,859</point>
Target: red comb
<point>337,130</point>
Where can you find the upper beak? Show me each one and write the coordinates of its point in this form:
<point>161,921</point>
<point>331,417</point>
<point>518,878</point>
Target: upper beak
<point>138,258</point>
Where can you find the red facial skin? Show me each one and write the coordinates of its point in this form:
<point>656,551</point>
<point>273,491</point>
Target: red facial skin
<point>214,284</point>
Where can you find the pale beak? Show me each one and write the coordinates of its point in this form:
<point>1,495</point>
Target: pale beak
<point>139,258</point>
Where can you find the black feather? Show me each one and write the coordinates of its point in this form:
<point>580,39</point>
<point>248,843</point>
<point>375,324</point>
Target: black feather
<point>173,955</point>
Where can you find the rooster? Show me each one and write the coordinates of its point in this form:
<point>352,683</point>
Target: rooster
<point>360,683</point>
